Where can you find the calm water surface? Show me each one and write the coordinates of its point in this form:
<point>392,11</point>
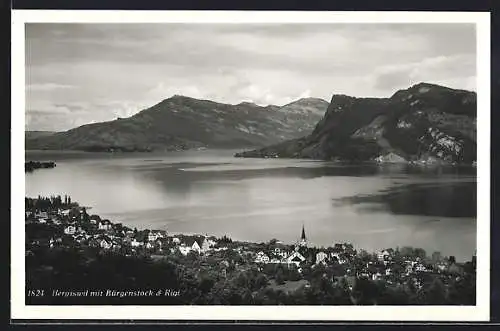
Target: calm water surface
<point>373,207</point>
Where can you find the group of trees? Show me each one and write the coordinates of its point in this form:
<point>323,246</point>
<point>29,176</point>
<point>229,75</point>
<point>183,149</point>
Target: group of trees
<point>223,240</point>
<point>32,165</point>
<point>48,203</point>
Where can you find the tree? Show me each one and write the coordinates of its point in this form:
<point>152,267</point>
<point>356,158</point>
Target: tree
<point>365,292</point>
<point>206,284</point>
<point>279,277</point>
<point>397,269</point>
<point>407,251</point>
<point>420,253</point>
<point>436,257</point>
<point>85,216</point>
<point>433,293</point>
<point>273,242</point>
<point>342,293</point>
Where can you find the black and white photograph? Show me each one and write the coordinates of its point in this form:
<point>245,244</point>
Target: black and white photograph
<point>327,163</point>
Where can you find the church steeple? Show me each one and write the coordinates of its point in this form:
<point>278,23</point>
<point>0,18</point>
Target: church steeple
<point>303,239</point>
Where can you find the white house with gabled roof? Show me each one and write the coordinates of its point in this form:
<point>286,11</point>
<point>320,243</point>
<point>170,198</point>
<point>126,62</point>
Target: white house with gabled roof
<point>295,258</point>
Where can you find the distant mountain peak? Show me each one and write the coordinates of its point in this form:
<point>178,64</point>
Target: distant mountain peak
<point>248,103</point>
<point>424,87</point>
<point>181,97</point>
<point>308,100</point>
<point>306,106</point>
<point>429,85</point>
<point>176,96</point>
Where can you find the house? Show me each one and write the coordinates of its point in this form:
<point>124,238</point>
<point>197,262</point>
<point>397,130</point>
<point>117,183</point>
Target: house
<point>152,236</point>
<point>105,225</point>
<point>383,255</point>
<point>161,233</point>
<point>70,230</point>
<point>42,214</point>
<point>441,266</point>
<point>340,258</point>
<point>196,243</point>
<point>280,253</point>
<point>196,247</point>
<point>105,243</point>
<point>321,257</point>
<point>135,243</point>
<point>295,258</point>
<point>185,250</point>
<point>176,240</point>
<point>149,245</point>
<point>211,243</point>
<point>205,245</point>
<point>79,238</point>
<point>116,245</point>
<point>262,258</point>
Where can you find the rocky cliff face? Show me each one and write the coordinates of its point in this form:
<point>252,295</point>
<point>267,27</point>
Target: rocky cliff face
<point>424,123</point>
<point>180,123</point>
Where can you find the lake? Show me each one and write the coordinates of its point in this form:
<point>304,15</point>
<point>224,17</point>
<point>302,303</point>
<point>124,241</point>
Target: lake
<point>211,192</point>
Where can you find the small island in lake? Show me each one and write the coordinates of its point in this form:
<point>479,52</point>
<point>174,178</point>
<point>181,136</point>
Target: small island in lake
<point>32,165</point>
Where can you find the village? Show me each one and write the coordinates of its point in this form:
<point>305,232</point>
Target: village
<point>56,222</point>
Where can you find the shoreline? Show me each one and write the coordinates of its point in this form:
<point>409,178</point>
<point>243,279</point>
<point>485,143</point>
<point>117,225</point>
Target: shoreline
<point>238,155</point>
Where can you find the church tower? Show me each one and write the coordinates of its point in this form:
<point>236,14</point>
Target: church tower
<point>303,239</point>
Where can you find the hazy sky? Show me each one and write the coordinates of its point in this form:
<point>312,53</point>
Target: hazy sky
<point>84,73</point>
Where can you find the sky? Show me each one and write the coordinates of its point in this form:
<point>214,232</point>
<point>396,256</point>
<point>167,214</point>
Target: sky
<point>83,73</point>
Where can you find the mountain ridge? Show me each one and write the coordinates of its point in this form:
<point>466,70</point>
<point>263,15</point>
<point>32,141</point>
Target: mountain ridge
<point>425,123</point>
<point>181,122</point>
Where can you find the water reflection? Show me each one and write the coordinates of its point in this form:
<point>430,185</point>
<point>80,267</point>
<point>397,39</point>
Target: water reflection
<point>428,199</point>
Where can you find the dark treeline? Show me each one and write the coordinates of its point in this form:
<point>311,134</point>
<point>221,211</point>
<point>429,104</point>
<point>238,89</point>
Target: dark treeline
<point>48,203</point>
<point>217,282</point>
<point>32,165</point>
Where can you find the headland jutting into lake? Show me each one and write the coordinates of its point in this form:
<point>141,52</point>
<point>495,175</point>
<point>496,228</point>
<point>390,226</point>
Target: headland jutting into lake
<point>32,165</point>
<point>73,257</point>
